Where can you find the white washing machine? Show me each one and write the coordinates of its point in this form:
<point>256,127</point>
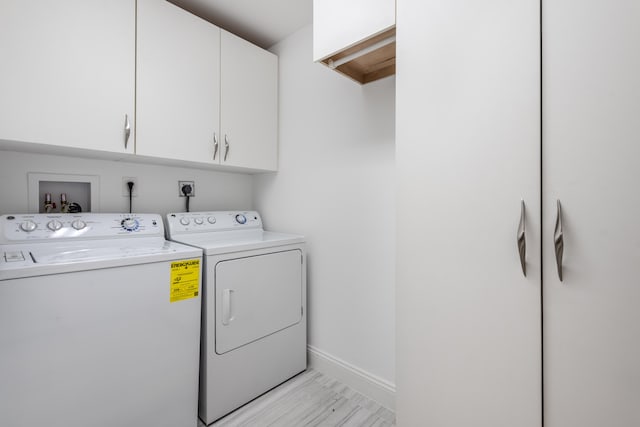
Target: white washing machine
<point>254,307</point>
<point>99,322</point>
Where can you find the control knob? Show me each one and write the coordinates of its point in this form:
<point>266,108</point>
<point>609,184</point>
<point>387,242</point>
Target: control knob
<point>54,225</point>
<point>211,219</point>
<point>198,221</point>
<point>78,224</point>
<point>28,226</point>
<point>241,219</point>
<point>130,224</point>
<point>184,221</point>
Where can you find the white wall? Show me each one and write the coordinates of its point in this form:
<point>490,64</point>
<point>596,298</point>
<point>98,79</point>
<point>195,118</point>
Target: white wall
<point>335,185</point>
<point>157,185</point>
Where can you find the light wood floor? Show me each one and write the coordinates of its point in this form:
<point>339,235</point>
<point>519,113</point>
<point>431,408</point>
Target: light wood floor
<point>310,399</point>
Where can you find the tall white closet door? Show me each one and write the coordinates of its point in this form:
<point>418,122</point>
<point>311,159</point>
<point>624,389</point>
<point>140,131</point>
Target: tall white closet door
<point>591,162</point>
<point>468,150</point>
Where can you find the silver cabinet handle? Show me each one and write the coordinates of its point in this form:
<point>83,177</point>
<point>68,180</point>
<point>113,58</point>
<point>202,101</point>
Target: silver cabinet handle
<point>127,130</point>
<point>215,145</point>
<point>226,147</point>
<point>558,240</point>
<point>522,240</point>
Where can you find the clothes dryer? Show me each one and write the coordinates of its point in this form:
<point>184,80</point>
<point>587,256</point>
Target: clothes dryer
<point>254,306</point>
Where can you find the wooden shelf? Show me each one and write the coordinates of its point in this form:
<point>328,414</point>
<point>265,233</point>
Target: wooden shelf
<point>371,66</point>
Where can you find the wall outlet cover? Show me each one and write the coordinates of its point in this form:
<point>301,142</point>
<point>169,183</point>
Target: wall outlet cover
<point>193,188</point>
<point>125,187</point>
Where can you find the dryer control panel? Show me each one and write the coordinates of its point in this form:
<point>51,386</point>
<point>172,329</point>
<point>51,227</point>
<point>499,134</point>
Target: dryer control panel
<point>45,227</point>
<point>194,222</point>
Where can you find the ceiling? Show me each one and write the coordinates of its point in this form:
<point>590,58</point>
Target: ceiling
<point>262,22</point>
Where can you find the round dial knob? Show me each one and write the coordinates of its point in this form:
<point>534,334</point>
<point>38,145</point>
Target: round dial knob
<point>130,224</point>
<point>28,226</point>
<point>184,221</point>
<point>241,219</point>
<point>54,225</point>
<point>78,224</point>
<point>211,219</point>
<point>198,221</point>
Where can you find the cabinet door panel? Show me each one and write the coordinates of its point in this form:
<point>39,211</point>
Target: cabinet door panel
<point>68,72</point>
<point>468,150</point>
<point>591,102</point>
<point>178,83</point>
<point>249,107</point>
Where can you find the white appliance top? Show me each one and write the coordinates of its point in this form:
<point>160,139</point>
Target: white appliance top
<point>39,244</point>
<point>225,231</point>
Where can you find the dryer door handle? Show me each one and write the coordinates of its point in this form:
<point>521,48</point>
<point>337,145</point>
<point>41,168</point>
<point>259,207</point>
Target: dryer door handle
<point>227,316</point>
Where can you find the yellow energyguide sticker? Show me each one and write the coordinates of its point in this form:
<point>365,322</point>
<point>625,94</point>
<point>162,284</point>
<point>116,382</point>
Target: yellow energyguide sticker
<point>185,279</point>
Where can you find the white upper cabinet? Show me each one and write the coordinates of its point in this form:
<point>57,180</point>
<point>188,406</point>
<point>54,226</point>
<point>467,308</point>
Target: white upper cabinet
<point>203,94</point>
<point>177,84</point>
<point>249,105</point>
<point>68,73</point>
<point>356,37</point>
<point>74,74</point>
<point>339,24</point>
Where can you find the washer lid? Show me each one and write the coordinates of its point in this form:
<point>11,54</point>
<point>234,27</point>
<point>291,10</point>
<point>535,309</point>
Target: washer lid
<point>36,259</point>
<point>236,241</point>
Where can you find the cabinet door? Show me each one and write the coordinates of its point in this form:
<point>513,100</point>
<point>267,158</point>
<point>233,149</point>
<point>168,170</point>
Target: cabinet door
<point>249,107</point>
<point>178,84</point>
<point>68,72</point>
<point>468,150</point>
<point>591,152</point>
<point>338,24</point>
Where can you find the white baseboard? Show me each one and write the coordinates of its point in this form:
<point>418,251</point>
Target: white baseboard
<point>361,381</point>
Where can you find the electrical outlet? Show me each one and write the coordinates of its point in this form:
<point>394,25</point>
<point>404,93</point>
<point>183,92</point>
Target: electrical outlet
<point>125,187</point>
<point>183,183</point>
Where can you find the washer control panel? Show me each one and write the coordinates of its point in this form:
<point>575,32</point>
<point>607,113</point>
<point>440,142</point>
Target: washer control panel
<point>16,228</point>
<point>194,222</point>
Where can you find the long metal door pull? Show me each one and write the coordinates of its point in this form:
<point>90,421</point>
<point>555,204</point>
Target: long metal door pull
<point>522,240</point>
<point>226,147</point>
<point>558,240</point>
<point>215,145</point>
<point>127,130</point>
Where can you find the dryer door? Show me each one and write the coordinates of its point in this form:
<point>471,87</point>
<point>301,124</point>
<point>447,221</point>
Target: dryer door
<point>256,296</point>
